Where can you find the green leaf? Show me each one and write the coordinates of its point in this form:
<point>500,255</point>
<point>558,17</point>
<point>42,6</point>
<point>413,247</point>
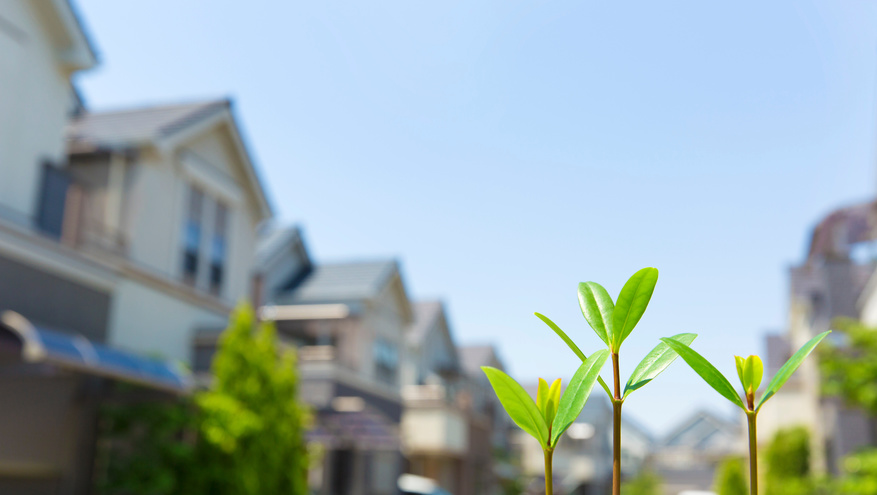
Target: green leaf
<point>632,303</point>
<point>597,308</point>
<point>572,345</point>
<point>753,372</point>
<point>518,404</point>
<point>784,373</point>
<point>542,396</point>
<point>552,402</point>
<point>577,392</point>
<point>655,362</point>
<point>707,371</point>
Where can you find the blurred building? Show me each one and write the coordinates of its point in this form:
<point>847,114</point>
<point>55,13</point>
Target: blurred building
<point>835,280</point>
<point>120,234</point>
<point>687,457</point>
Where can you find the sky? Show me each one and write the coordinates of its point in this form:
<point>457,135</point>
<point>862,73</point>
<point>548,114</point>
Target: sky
<point>505,150</point>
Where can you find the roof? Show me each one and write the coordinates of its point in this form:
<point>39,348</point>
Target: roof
<point>425,315</point>
<point>840,229</point>
<point>473,357</point>
<point>274,240</point>
<point>343,282</point>
<point>139,125</point>
<point>165,126</point>
<point>699,431</point>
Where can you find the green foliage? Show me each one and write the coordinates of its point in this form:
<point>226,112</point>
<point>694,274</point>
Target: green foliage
<point>597,308</point>
<point>860,474</point>
<point>532,417</point>
<point>645,483</point>
<point>252,414</point>
<point>577,393</point>
<point>851,372</point>
<point>655,362</point>
<point>788,463</point>
<point>751,371</point>
<point>243,436</point>
<point>786,371</point>
<point>731,478</point>
<point>572,345</point>
<point>707,371</point>
<point>141,451</point>
<point>632,303</point>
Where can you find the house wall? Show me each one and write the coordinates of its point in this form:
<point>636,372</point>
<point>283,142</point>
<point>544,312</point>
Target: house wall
<point>150,321</point>
<point>35,102</point>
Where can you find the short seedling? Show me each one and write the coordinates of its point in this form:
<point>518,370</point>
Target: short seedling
<point>551,415</point>
<point>613,322</point>
<point>750,371</point>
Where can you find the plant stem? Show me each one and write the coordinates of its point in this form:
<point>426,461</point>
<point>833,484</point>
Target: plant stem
<point>616,429</point>
<point>753,454</point>
<point>549,481</point>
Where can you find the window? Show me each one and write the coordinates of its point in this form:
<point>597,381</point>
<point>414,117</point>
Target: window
<point>386,360</point>
<point>50,215</point>
<point>192,235</point>
<point>218,248</point>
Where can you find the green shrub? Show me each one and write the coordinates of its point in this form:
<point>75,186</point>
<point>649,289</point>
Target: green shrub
<point>646,483</point>
<point>731,478</point>
<point>788,463</point>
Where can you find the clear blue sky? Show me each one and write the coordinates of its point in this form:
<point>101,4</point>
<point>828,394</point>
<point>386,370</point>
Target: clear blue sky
<point>505,150</point>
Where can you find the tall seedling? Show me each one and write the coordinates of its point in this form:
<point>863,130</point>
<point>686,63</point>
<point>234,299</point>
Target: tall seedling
<point>550,415</point>
<point>613,322</point>
<point>750,370</point>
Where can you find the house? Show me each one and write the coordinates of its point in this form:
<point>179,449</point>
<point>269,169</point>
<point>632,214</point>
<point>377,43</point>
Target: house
<point>688,455</point>
<point>349,323</point>
<point>452,423</point>
<point>490,458</point>
<point>837,279</point>
<point>120,234</point>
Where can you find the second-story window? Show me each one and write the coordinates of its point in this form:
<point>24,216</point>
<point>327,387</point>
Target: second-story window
<point>192,235</point>
<point>218,248</point>
<point>386,360</point>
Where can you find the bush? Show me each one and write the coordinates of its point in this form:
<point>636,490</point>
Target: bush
<point>646,483</point>
<point>731,478</point>
<point>860,474</point>
<point>788,463</point>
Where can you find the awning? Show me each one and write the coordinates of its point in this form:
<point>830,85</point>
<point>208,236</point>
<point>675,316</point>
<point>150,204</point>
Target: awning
<point>75,352</point>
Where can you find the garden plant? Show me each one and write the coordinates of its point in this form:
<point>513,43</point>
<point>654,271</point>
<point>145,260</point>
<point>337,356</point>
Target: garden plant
<point>550,416</point>
<point>612,322</point>
<point>750,370</point>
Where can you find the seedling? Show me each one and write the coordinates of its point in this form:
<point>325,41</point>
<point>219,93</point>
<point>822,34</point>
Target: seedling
<point>750,371</point>
<point>613,323</point>
<point>551,415</point>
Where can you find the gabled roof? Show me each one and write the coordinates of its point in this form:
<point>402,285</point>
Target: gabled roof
<point>343,282</point>
<point>426,313</point>
<point>139,125</point>
<point>276,240</point>
<point>473,357</point>
<point>66,33</point>
<point>163,126</point>
<point>700,431</point>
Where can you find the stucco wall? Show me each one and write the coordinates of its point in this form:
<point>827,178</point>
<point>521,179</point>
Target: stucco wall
<point>149,321</point>
<point>35,101</point>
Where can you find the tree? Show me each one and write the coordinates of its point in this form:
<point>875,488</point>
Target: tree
<point>645,483</point>
<point>251,414</point>
<point>788,463</point>
<point>850,371</point>
<point>731,478</point>
<point>243,436</point>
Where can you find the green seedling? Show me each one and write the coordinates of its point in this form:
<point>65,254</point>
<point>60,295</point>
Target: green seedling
<point>613,322</point>
<point>550,415</point>
<point>750,371</point>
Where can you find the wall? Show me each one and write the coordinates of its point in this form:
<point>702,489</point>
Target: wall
<point>35,101</point>
<point>147,320</point>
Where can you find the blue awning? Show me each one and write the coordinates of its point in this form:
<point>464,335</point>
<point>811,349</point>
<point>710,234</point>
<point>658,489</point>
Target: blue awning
<point>77,353</point>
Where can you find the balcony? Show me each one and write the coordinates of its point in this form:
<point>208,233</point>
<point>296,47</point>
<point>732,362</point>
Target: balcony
<point>432,423</point>
<point>80,214</point>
